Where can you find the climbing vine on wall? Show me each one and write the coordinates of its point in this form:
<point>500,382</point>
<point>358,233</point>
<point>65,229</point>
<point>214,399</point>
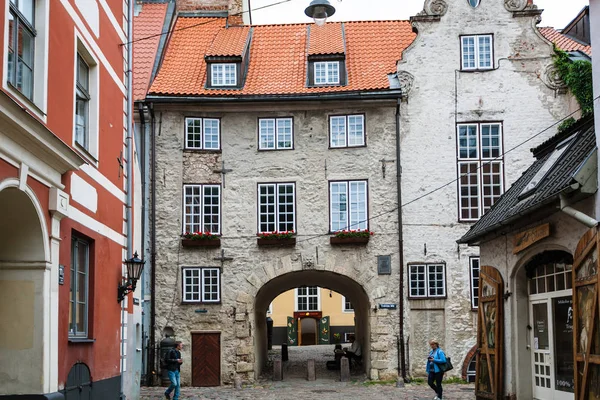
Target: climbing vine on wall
<point>577,75</point>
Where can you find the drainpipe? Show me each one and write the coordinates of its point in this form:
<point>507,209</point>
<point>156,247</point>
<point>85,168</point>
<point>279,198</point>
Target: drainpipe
<point>152,357</point>
<point>400,246</point>
<point>578,215</point>
<point>129,198</point>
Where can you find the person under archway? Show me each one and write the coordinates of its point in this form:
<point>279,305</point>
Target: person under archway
<point>354,352</point>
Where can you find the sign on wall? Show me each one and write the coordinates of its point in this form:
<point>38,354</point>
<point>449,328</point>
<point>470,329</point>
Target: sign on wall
<point>523,240</point>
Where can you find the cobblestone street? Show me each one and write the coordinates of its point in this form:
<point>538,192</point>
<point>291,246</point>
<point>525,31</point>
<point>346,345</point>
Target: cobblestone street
<point>327,385</point>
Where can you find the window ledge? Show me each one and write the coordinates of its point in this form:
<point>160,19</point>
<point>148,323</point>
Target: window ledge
<point>26,100</point>
<point>81,340</point>
<point>202,151</point>
<point>86,154</point>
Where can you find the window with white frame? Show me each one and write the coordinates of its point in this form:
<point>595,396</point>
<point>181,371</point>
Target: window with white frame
<point>202,208</point>
<point>21,45</point>
<point>308,298</point>
<point>480,168</point>
<point>476,52</point>
<point>202,133</point>
<point>427,280</point>
<point>223,74</point>
<point>80,275</point>
<point>347,130</point>
<point>201,285</point>
<point>82,103</point>
<point>327,72</point>
<point>348,205</point>
<point>276,207</point>
<point>474,273</point>
<point>347,305</point>
<point>275,134</point>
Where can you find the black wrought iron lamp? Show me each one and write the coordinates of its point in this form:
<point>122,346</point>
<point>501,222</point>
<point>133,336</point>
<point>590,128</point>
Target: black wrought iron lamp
<point>134,270</point>
<point>319,10</point>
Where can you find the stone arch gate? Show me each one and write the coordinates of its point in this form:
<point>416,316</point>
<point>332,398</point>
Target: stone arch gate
<point>376,330</point>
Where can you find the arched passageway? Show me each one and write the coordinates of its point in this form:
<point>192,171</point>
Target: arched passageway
<point>24,279</point>
<point>325,279</point>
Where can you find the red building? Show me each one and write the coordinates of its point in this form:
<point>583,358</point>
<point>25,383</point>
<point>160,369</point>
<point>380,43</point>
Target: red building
<point>65,200</point>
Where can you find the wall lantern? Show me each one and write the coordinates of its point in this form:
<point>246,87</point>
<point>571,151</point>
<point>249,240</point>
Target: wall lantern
<point>134,271</point>
<point>319,10</point>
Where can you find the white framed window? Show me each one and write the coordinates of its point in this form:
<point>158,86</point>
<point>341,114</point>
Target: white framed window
<point>202,133</point>
<point>202,208</point>
<point>276,207</point>
<point>348,205</point>
<point>80,275</point>
<point>223,74</point>
<point>327,72</point>
<point>82,103</point>
<point>86,104</point>
<point>480,168</point>
<point>476,52</point>
<point>347,305</point>
<point>308,298</point>
<point>201,285</point>
<point>275,133</point>
<point>427,280</point>
<point>346,130</point>
<point>474,3</point>
<point>474,274</point>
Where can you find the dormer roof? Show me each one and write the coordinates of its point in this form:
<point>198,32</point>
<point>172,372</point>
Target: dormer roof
<point>326,40</point>
<point>229,42</point>
<point>564,42</point>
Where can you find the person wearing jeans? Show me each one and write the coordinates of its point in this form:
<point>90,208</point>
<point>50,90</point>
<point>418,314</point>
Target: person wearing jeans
<point>434,372</point>
<point>174,361</point>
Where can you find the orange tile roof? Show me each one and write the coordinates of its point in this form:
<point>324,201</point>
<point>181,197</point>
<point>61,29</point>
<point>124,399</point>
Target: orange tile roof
<point>564,42</point>
<point>229,42</point>
<point>147,23</point>
<point>278,58</point>
<point>326,39</point>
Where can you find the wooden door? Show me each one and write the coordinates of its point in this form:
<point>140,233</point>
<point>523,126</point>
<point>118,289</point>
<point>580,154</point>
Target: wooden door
<point>490,343</point>
<point>586,329</point>
<point>206,359</point>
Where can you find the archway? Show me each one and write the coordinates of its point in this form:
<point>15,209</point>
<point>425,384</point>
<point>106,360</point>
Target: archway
<point>24,261</point>
<point>325,279</point>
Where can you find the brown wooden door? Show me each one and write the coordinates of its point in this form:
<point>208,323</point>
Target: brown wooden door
<point>490,343</point>
<point>586,329</point>
<point>206,359</point>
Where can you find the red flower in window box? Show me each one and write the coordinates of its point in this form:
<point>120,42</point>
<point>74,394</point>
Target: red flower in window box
<point>285,238</point>
<point>353,236</point>
<point>200,239</point>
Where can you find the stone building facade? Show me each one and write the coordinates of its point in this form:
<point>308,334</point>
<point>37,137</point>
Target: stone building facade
<point>516,92</point>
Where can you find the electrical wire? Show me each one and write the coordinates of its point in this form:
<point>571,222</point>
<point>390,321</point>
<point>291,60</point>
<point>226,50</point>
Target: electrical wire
<point>202,23</point>
<point>452,181</point>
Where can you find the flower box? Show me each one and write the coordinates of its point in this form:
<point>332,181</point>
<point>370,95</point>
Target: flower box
<point>335,240</point>
<point>276,242</point>
<point>216,242</point>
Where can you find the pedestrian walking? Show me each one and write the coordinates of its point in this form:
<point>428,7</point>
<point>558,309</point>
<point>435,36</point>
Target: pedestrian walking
<point>173,361</point>
<point>435,374</point>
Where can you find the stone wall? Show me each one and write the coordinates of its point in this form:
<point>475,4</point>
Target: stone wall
<point>517,93</point>
<point>310,165</point>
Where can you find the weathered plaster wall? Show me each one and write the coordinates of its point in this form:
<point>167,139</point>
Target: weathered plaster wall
<point>515,93</point>
<point>565,234</point>
<point>310,165</point>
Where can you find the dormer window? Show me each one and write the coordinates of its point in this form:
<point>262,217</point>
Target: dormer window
<point>223,74</point>
<point>327,73</point>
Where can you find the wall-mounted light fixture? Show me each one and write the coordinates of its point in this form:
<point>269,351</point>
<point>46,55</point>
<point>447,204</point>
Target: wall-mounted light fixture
<point>134,270</point>
<point>319,10</point>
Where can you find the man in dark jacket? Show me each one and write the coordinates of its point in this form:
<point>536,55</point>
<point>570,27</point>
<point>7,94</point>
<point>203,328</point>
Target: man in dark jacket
<point>173,360</point>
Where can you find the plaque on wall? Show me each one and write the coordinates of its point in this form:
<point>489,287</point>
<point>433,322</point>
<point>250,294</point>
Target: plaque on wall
<point>384,265</point>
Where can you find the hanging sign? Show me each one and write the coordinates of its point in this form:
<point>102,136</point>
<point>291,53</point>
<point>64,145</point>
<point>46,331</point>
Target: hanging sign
<point>526,238</point>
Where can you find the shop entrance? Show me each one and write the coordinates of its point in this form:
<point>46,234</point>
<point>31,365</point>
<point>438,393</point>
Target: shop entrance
<point>551,338</point>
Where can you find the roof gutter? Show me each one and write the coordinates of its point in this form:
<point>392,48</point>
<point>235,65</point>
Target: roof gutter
<point>387,95</point>
<point>576,214</point>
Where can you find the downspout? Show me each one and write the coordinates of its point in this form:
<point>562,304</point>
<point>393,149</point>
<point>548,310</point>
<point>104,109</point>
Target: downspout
<point>152,357</point>
<point>129,197</point>
<point>145,274</point>
<point>400,246</point>
<point>578,215</point>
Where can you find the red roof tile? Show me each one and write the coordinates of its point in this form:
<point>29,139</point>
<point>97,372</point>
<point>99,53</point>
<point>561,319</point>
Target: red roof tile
<point>229,42</point>
<point>326,39</point>
<point>278,58</point>
<point>564,42</point>
<point>147,23</point>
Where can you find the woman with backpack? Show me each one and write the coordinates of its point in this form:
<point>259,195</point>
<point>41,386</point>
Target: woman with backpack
<point>435,373</point>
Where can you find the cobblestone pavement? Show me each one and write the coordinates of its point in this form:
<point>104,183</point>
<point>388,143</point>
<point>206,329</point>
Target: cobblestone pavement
<point>326,387</point>
<point>298,389</point>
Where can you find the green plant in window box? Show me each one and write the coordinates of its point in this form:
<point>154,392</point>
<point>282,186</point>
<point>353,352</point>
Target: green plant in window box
<point>353,233</point>
<point>200,236</point>
<point>276,235</point>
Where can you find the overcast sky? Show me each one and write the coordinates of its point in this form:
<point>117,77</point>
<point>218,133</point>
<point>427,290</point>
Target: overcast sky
<point>557,13</point>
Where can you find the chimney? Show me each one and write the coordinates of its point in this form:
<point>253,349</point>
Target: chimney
<point>234,8</point>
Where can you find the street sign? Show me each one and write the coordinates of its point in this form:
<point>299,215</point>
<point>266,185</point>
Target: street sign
<point>388,306</point>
